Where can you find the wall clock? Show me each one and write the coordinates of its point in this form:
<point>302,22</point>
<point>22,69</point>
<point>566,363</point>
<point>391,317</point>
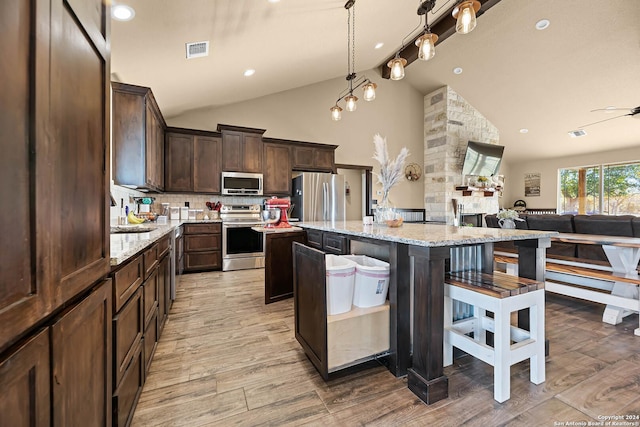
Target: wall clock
<point>412,172</point>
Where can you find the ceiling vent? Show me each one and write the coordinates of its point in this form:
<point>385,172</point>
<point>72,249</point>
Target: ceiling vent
<point>577,133</point>
<point>197,49</point>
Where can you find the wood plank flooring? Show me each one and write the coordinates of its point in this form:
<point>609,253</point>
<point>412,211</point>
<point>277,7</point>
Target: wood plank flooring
<point>226,359</point>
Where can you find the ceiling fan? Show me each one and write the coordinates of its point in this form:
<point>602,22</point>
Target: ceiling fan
<point>631,112</point>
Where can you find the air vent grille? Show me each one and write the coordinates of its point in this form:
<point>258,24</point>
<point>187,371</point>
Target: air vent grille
<point>197,49</point>
<point>577,133</point>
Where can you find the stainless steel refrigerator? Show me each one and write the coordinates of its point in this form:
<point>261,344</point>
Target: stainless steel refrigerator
<point>318,197</point>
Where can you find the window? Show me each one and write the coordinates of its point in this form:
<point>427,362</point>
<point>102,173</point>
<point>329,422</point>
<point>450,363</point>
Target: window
<point>605,189</point>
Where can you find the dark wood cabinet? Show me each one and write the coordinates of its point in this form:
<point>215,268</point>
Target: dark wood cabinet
<point>138,137</point>
<point>125,397</point>
<point>241,149</point>
<point>313,157</point>
<point>193,161</point>
<point>164,291</point>
<point>202,247</point>
<point>327,242</point>
<point>81,361</point>
<point>127,332</point>
<point>277,169</point>
<point>25,384</point>
<point>278,276</point>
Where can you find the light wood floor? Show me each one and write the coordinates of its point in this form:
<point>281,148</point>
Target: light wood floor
<point>227,359</point>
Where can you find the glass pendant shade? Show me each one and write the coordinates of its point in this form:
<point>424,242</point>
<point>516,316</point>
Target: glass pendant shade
<point>426,46</point>
<point>465,14</point>
<point>336,113</point>
<point>370,91</point>
<point>397,68</point>
<point>351,102</point>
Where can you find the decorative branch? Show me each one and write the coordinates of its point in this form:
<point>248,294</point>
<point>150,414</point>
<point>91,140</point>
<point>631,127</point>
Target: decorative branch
<point>390,170</point>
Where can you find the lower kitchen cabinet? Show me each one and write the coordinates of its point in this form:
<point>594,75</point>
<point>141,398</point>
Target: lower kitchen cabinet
<point>25,384</point>
<point>164,290</point>
<point>278,281</point>
<point>81,361</point>
<point>125,396</point>
<point>202,246</point>
<point>150,340</point>
<point>328,242</point>
<point>127,333</point>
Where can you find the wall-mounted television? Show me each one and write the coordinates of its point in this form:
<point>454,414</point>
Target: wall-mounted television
<point>482,159</point>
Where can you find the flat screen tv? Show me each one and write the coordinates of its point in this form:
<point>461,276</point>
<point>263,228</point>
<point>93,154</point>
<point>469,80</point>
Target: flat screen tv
<point>482,159</point>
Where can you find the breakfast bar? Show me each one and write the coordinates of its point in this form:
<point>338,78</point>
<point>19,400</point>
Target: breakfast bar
<point>419,256</point>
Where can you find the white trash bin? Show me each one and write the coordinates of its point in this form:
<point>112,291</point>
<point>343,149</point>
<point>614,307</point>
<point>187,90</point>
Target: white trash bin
<point>341,274</point>
<point>372,281</point>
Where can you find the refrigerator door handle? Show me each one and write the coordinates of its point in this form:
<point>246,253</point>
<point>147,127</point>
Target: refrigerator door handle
<point>325,201</point>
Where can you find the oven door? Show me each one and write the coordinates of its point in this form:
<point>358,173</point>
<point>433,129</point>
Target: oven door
<point>242,247</point>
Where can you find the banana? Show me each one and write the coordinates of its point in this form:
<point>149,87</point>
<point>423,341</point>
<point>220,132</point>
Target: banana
<point>134,219</point>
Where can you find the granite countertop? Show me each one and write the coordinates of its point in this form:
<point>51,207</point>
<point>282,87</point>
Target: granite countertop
<point>275,230</point>
<point>124,245</point>
<point>429,235</point>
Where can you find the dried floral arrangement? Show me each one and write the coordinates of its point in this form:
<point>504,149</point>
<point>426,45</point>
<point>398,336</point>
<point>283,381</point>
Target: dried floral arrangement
<point>390,170</point>
<point>508,214</point>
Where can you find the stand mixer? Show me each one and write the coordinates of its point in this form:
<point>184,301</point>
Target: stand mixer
<point>277,221</point>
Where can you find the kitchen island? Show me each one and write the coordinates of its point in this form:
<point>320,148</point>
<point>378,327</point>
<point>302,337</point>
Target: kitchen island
<point>419,256</point>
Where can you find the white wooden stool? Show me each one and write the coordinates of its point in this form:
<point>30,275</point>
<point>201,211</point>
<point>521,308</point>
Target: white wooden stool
<point>501,294</point>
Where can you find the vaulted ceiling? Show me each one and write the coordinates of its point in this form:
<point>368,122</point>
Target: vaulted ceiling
<point>517,76</point>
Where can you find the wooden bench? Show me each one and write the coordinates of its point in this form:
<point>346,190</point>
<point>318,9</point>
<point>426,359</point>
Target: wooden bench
<point>501,294</point>
<point>585,279</point>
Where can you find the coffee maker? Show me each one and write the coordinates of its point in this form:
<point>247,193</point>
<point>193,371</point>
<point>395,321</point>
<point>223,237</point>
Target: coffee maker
<point>278,220</point>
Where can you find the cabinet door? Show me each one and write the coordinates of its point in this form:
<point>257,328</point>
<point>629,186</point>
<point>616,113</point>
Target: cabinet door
<point>164,285</point>
<point>303,158</point>
<point>24,384</point>
<point>151,151</point>
<point>278,281</point>
<point>277,169</point>
<point>232,151</point>
<point>80,127</point>
<point>207,164</point>
<point>82,360</point>
<point>252,153</point>
<point>179,155</point>
<point>25,287</point>
<point>159,153</point>
<point>324,160</point>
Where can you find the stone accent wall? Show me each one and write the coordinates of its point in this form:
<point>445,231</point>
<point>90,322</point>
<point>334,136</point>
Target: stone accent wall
<point>449,123</point>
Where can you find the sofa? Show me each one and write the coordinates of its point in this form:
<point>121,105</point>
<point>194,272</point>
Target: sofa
<point>610,225</point>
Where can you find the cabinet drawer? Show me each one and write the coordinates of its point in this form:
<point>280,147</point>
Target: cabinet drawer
<point>202,260</point>
<point>150,296</point>
<point>202,242</point>
<point>164,244</point>
<point>127,393</point>
<point>126,281</point>
<point>314,239</point>
<point>335,244</point>
<point>207,228</point>
<point>150,340</point>
<point>127,332</point>
<point>150,259</point>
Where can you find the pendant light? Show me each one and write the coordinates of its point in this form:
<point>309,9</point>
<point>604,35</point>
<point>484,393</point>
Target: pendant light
<point>397,67</point>
<point>426,43</point>
<point>465,13</point>
<point>352,81</point>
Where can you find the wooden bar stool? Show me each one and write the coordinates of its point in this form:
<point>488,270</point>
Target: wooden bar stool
<point>500,294</point>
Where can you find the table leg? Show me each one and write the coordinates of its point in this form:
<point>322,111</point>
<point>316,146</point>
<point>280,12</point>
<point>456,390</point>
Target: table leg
<point>624,262</point>
<point>426,378</point>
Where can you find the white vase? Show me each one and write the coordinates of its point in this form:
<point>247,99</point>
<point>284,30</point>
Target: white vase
<point>507,223</point>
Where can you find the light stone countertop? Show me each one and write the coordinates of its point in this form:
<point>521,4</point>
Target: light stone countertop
<point>125,245</point>
<point>429,235</point>
<point>275,230</point>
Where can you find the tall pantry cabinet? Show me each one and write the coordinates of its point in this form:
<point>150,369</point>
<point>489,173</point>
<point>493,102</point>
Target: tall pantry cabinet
<point>55,301</point>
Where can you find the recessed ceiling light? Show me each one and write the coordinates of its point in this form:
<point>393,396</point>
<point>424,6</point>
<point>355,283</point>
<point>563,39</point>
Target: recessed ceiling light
<point>524,130</point>
<point>542,24</point>
<point>378,45</point>
<point>122,12</point>
<point>457,70</point>
<point>274,1</point>
<point>249,72</point>
<point>577,133</point>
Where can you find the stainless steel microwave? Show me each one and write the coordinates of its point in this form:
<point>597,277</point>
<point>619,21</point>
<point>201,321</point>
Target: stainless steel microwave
<point>235,183</point>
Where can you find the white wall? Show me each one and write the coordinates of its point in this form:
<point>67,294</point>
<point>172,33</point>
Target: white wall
<point>548,168</point>
<point>303,114</point>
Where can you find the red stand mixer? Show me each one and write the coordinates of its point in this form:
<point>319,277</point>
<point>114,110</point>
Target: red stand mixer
<point>276,221</point>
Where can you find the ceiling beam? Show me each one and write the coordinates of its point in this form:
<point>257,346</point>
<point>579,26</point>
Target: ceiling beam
<point>444,27</point>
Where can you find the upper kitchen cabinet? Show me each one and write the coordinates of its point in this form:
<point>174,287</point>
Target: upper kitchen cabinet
<point>313,157</point>
<point>241,149</point>
<point>138,138</point>
<point>277,169</point>
<point>193,161</point>
<point>55,133</point>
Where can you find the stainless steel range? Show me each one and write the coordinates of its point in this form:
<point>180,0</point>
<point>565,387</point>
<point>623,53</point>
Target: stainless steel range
<point>242,247</point>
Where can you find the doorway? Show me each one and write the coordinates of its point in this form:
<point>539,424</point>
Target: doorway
<point>358,190</point>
